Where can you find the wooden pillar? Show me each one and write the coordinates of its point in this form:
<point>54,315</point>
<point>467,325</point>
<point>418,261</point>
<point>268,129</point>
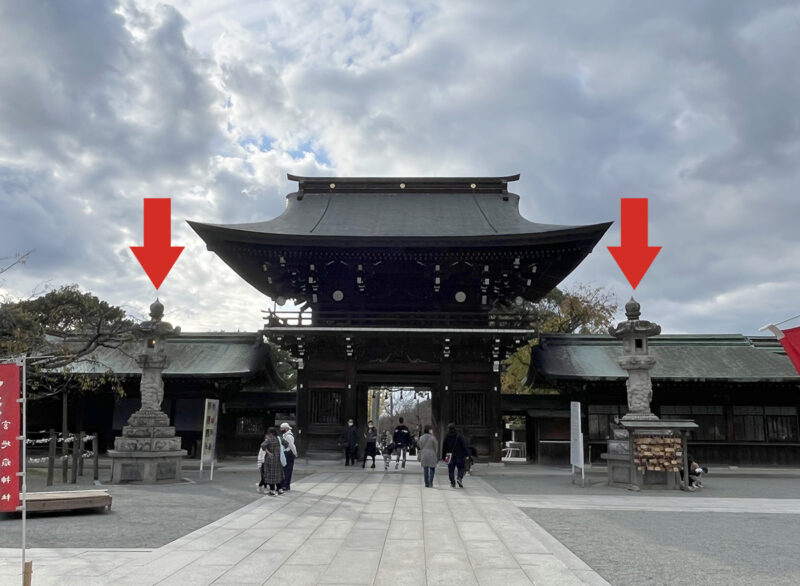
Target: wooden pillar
<point>362,414</point>
<point>495,415</point>
<point>732,454</point>
<point>351,410</point>
<point>530,438</point>
<point>76,454</point>
<point>350,393</point>
<point>96,456</point>
<point>80,449</point>
<point>446,399</point>
<point>51,457</point>
<point>64,434</point>
<point>301,412</point>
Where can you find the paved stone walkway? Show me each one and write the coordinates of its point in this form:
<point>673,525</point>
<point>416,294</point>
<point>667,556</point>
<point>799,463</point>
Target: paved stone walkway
<point>663,503</point>
<point>338,528</point>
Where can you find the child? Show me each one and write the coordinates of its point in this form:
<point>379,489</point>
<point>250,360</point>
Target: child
<point>695,472</point>
<point>262,486</point>
<point>386,452</point>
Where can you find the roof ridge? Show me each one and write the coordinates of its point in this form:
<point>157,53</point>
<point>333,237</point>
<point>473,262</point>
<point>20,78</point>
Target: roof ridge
<point>417,179</point>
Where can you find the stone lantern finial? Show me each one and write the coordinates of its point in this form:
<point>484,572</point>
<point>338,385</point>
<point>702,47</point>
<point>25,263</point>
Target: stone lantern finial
<point>633,309</point>
<point>157,310</point>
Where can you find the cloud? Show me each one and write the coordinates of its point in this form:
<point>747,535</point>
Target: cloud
<point>692,105</point>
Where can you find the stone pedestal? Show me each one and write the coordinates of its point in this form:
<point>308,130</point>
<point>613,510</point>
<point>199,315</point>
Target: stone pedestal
<point>146,467</point>
<point>647,454</point>
<point>148,451</point>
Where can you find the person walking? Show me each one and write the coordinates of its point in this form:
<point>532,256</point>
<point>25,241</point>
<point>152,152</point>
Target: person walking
<point>455,454</point>
<point>428,455</point>
<point>402,440</point>
<point>471,452</point>
<point>272,471</point>
<point>349,440</point>
<point>291,453</point>
<point>371,449</point>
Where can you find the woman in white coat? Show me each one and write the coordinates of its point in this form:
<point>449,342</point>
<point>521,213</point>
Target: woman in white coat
<point>428,455</point>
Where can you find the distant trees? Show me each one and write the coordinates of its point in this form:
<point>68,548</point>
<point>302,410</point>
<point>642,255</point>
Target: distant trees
<point>580,310</point>
<point>414,405</point>
<point>58,329</point>
<point>285,366</point>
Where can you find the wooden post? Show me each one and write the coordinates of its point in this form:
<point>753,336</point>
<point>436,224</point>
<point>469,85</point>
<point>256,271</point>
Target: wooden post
<point>51,457</point>
<point>75,457</point>
<point>64,434</point>
<point>80,447</point>
<point>685,447</point>
<point>28,574</point>
<point>96,458</point>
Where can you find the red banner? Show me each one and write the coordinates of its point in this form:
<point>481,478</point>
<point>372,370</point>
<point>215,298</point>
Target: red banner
<point>9,432</point>
<point>791,343</point>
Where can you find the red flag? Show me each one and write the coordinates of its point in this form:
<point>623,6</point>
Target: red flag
<point>791,343</point>
<point>9,431</point>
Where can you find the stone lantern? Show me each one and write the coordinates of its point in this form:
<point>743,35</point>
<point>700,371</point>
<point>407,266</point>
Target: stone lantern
<point>636,361</point>
<point>148,450</point>
<point>644,451</point>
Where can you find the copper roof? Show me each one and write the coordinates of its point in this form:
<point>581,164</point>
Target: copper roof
<point>190,355</point>
<point>679,357</point>
<point>416,209</point>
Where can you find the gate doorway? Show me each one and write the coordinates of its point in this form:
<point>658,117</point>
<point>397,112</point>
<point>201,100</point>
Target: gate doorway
<point>386,404</point>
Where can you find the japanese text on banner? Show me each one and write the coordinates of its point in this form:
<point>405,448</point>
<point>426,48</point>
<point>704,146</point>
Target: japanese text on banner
<point>9,431</point>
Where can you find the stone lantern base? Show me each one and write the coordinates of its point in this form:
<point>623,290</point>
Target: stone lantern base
<point>146,467</point>
<point>640,417</point>
<point>148,451</point>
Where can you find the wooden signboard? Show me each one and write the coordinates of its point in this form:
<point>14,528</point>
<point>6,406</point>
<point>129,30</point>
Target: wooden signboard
<point>208,445</point>
<point>576,440</point>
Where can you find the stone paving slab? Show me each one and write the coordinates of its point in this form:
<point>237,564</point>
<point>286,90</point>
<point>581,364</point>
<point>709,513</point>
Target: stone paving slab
<point>659,503</point>
<point>361,527</point>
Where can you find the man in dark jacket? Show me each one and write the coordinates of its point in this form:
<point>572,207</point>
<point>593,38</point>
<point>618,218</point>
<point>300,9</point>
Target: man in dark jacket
<point>402,441</point>
<point>454,452</point>
<point>349,440</point>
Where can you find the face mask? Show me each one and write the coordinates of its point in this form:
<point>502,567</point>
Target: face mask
<point>350,423</point>
<point>370,426</point>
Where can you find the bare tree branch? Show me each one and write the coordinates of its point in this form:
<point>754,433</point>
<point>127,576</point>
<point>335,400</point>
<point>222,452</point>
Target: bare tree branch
<point>17,259</point>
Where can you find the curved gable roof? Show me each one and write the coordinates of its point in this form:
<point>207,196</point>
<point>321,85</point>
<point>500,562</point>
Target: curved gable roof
<point>424,208</point>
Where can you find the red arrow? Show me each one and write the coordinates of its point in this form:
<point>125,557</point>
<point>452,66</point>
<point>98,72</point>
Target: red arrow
<point>634,257</point>
<point>157,256</point>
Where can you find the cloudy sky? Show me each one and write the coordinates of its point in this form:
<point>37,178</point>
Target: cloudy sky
<point>695,105</point>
